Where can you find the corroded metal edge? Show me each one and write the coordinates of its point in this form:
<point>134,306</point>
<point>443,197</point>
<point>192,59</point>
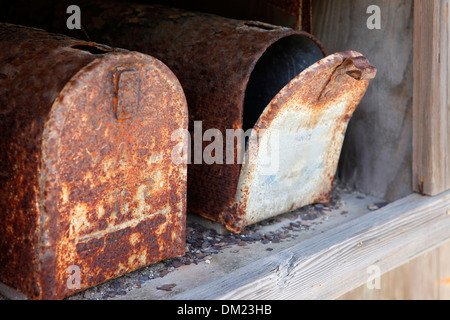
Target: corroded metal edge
<point>313,111</point>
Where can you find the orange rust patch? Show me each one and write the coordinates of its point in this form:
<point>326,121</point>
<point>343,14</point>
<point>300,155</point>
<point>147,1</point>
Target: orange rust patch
<point>90,183</point>
<point>445,281</point>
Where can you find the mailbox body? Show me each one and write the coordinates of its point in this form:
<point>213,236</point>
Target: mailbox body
<point>241,75</point>
<point>88,188</point>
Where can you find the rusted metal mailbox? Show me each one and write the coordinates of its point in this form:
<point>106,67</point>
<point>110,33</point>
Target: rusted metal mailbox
<point>242,75</point>
<point>239,75</point>
<point>88,187</point>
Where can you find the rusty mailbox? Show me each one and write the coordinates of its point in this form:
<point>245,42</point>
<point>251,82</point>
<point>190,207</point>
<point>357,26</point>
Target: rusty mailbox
<point>88,187</point>
<point>241,75</point>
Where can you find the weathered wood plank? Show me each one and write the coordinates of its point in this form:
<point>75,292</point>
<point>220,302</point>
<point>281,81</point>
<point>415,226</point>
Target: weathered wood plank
<point>444,272</point>
<point>424,277</point>
<point>431,163</point>
<point>377,153</point>
<point>335,262</point>
<point>415,280</point>
<point>394,285</point>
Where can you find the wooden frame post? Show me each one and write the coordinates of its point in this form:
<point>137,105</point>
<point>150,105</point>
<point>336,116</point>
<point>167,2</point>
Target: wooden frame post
<point>431,106</point>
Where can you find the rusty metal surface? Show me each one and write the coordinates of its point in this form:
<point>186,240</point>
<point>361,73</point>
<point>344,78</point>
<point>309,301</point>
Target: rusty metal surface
<point>292,7</point>
<point>216,60</point>
<point>86,173</point>
<point>300,9</point>
<point>309,118</point>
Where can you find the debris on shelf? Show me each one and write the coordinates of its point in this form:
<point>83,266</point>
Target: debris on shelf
<point>377,206</point>
<point>167,287</point>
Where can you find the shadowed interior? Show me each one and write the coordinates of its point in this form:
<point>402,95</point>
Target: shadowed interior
<point>281,63</point>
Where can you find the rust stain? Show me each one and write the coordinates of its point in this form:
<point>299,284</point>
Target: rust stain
<point>300,9</point>
<point>217,67</point>
<point>217,61</point>
<point>81,121</point>
<point>421,185</point>
<point>328,91</point>
<point>445,282</point>
<point>212,58</point>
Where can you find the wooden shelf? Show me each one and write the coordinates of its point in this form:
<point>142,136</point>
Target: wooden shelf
<point>325,262</point>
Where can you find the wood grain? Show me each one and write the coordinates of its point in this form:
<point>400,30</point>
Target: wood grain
<point>335,262</point>
<point>444,272</point>
<point>431,161</point>
<point>424,278</point>
<point>377,153</point>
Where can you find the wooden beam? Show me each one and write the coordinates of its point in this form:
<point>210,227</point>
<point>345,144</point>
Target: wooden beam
<point>431,102</point>
<point>444,272</point>
<point>417,280</point>
<point>335,262</point>
<point>377,153</point>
